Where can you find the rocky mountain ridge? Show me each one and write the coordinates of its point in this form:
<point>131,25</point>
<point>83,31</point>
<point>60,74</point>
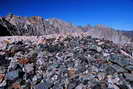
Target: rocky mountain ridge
<point>12,25</point>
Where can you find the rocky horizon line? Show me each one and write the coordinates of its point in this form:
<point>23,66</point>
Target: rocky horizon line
<point>12,25</point>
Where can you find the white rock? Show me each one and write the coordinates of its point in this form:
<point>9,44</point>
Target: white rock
<point>80,86</point>
<point>28,68</point>
<point>99,49</point>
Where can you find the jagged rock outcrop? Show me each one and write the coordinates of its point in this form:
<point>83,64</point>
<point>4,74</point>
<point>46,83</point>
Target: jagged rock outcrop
<point>38,26</point>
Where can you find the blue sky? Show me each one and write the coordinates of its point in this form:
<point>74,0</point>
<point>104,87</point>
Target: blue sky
<point>114,13</point>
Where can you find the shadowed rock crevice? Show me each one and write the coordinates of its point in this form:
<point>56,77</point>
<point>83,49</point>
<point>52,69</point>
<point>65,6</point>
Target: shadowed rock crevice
<point>6,28</point>
<point>4,31</point>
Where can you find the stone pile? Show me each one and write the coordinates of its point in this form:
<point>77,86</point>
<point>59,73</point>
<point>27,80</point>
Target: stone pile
<point>70,62</point>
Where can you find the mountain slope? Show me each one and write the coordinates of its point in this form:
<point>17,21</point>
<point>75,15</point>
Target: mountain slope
<point>128,33</point>
<point>101,31</point>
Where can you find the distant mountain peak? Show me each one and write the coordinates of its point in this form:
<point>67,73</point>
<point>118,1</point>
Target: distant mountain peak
<point>101,26</point>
